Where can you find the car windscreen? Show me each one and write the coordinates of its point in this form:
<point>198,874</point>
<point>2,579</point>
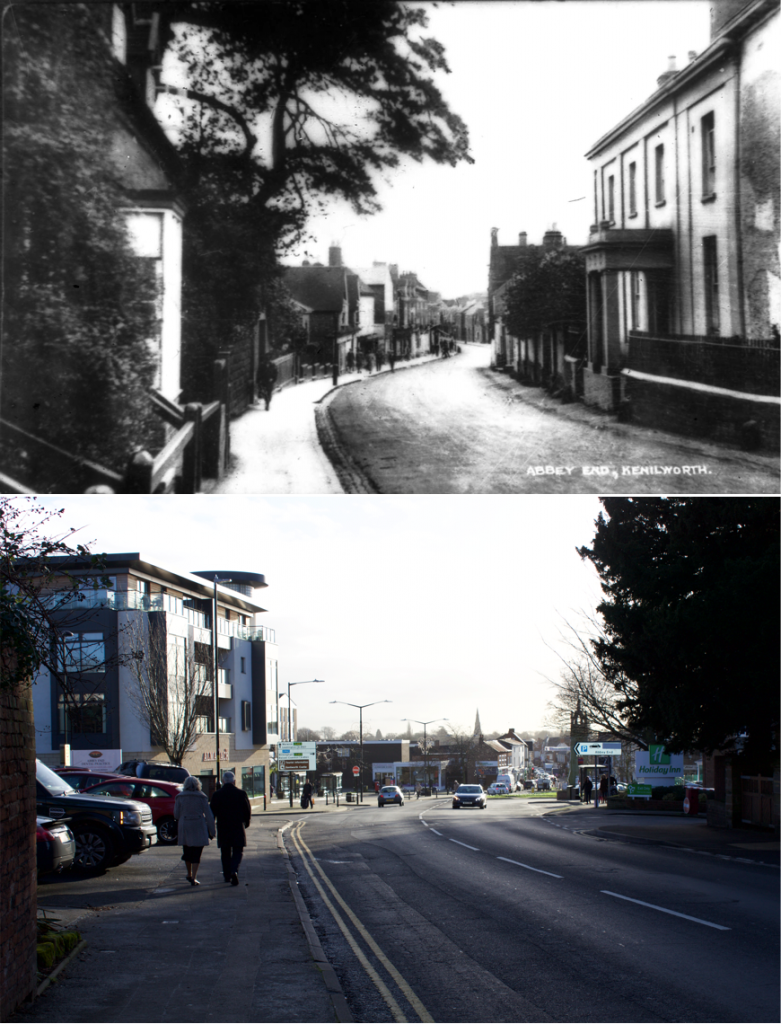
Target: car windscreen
<point>166,774</point>
<point>389,790</point>
<point>53,783</point>
<point>469,789</point>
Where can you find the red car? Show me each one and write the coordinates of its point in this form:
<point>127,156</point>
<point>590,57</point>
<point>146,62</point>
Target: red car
<point>82,778</point>
<point>159,795</point>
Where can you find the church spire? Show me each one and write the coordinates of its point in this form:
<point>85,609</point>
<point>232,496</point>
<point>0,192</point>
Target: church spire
<point>478,728</point>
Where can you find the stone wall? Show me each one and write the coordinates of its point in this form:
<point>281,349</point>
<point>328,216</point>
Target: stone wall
<point>18,892</point>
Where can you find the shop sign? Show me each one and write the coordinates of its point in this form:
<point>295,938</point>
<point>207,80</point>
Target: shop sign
<point>108,760</point>
<point>657,763</point>
<point>211,755</point>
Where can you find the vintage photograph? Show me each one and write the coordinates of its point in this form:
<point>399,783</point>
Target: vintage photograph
<point>346,247</point>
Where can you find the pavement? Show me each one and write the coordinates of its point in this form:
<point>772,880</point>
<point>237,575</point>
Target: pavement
<point>278,451</point>
<point>219,953</point>
<point>692,834</point>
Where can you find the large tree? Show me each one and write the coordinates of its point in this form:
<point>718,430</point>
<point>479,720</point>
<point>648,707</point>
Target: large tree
<point>691,614</point>
<point>287,106</point>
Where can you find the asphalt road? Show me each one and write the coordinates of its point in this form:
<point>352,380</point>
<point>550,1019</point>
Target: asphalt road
<point>513,913</point>
<point>453,426</point>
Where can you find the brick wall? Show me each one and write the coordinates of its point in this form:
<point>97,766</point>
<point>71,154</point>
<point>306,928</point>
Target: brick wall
<point>18,894</point>
<point>733,421</point>
<point>756,370</point>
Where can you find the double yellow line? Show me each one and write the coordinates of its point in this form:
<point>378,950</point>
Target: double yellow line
<point>310,863</point>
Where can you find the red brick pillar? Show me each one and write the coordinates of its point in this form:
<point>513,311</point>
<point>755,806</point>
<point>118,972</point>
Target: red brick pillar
<point>18,894</point>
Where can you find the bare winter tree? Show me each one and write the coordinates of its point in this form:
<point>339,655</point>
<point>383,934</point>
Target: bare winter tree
<point>172,691</point>
<point>583,688</point>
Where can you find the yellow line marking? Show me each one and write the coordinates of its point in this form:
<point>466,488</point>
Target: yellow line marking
<point>382,988</point>
<point>413,1000</point>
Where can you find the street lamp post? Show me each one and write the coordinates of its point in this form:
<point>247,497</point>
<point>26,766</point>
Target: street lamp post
<point>360,727</point>
<point>301,682</point>
<point>425,738</point>
<point>215,684</point>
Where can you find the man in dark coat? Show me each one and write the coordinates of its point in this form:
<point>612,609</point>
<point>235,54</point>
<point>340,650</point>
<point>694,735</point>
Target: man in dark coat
<point>231,809</point>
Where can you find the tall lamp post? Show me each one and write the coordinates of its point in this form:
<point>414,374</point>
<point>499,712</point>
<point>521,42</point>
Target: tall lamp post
<point>216,685</point>
<point>360,727</point>
<point>425,741</point>
<point>301,682</point>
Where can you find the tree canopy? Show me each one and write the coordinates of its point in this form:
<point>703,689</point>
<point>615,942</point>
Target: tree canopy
<point>691,618</point>
<point>292,102</point>
<point>33,589</point>
<point>547,290</point>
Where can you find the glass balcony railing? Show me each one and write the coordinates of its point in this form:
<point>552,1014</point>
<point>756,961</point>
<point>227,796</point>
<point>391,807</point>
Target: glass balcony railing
<point>134,600</point>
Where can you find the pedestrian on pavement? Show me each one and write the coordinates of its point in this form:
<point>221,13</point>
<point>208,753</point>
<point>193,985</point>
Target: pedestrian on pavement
<point>231,808</point>
<point>194,825</point>
<point>418,788</point>
<point>266,379</point>
<point>307,797</point>
<point>603,787</point>
<point>588,785</point>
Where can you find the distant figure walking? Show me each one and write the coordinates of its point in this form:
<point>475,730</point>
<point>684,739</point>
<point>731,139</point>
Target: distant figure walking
<point>194,825</point>
<point>307,799</point>
<point>231,809</point>
<point>588,785</point>
<point>603,789</point>
<point>418,788</point>
<point>266,379</point>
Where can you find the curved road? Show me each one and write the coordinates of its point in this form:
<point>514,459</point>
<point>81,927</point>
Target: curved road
<point>509,915</point>
<point>453,426</point>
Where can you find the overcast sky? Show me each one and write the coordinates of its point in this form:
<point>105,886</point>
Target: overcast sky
<point>537,84</point>
<point>441,604</point>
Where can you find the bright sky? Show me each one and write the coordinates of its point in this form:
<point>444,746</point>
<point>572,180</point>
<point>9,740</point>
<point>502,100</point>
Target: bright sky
<point>537,84</point>
<point>441,604</point>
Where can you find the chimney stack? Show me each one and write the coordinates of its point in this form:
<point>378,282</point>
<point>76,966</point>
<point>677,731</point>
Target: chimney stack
<point>670,73</point>
<point>522,239</point>
<point>335,256</point>
<point>552,239</point>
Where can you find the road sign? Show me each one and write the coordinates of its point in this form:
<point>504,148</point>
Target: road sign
<point>356,770</point>
<point>300,757</point>
<point>598,749</point>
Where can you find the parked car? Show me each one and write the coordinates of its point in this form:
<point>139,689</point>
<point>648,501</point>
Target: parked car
<point>55,845</point>
<point>160,796</point>
<point>497,789</point>
<point>390,795</point>
<point>107,830</point>
<point>81,778</point>
<point>469,796</point>
<point>162,770</point>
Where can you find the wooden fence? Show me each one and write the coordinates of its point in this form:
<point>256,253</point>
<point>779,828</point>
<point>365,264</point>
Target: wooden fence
<point>197,449</point>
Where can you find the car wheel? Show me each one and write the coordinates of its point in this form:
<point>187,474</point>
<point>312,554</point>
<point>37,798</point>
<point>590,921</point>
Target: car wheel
<point>166,831</point>
<point>94,849</point>
<point>455,807</point>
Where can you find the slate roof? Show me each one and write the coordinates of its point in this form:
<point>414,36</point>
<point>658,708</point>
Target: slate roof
<point>321,289</point>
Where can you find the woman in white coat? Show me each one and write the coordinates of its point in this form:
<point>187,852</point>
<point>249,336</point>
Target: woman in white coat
<point>195,825</point>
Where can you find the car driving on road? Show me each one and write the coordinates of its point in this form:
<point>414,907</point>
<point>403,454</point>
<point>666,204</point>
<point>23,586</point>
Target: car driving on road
<point>390,795</point>
<point>469,796</point>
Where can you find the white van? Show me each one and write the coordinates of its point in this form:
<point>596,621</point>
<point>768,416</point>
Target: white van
<point>508,781</point>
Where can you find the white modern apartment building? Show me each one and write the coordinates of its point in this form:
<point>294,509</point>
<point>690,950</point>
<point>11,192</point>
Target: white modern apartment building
<point>136,601</point>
